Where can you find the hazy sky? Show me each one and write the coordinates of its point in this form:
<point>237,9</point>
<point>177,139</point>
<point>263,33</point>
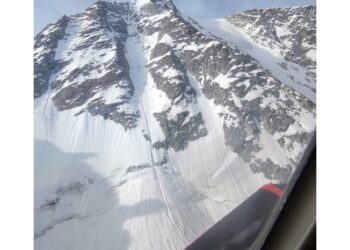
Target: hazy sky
<point>47,11</point>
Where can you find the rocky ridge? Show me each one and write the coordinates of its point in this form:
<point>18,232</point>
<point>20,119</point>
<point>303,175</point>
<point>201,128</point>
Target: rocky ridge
<point>290,31</point>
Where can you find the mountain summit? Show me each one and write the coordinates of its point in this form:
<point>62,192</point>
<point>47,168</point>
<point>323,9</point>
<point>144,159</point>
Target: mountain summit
<point>150,126</point>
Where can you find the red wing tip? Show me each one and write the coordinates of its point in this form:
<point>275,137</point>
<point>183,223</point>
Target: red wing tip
<point>273,189</point>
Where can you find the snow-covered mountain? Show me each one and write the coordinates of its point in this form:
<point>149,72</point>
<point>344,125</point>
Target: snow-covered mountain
<point>282,40</point>
<point>150,126</point>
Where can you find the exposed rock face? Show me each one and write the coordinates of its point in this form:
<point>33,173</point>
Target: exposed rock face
<point>44,54</point>
<point>82,59</point>
<point>169,74</point>
<point>179,132</point>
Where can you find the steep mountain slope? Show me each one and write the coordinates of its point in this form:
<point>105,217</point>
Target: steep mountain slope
<point>148,129</point>
<point>291,31</point>
<point>282,40</point>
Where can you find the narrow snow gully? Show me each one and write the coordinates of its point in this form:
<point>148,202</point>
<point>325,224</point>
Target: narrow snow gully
<point>138,73</point>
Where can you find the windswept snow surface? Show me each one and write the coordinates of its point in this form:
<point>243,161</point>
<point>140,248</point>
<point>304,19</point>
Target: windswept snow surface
<point>103,206</point>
